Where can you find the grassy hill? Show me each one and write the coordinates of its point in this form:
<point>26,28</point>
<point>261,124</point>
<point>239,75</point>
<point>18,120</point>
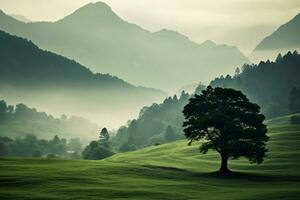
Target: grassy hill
<point>170,171</point>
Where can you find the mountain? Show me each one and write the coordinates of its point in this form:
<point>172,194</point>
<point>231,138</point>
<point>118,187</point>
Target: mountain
<point>58,85</point>
<point>21,18</point>
<point>97,37</point>
<point>268,83</point>
<point>285,38</point>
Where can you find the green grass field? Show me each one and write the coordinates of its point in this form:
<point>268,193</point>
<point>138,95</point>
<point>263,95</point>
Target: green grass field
<point>170,171</point>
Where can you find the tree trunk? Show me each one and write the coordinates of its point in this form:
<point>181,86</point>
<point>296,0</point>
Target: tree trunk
<point>224,164</point>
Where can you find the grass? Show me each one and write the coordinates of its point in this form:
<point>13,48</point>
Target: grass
<point>170,171</point>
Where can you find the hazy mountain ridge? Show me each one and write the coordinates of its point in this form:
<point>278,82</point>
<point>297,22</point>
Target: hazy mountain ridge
<point>56,84</point>
<point>96,37</point>
<point>21,18</point>
<point>285,38</point>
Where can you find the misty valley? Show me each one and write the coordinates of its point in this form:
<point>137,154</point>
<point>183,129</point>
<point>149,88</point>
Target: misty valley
<point>94,106</point>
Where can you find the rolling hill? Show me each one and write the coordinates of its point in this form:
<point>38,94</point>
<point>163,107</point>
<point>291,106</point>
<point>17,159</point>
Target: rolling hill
<point>170,171</point>
<point>97,37</point>
<point>285,38</point>
<point>57,85</point>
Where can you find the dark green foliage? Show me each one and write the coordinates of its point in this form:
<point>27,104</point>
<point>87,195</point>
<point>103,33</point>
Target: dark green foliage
<point>127,147</point>
<point>21,120</point>
<point>295,120</point>
<point>31,146</point>
<point>294,104</point>
<point>230,124</point>
<point>152,125</point>
<point>97,150</point>
<point>104,135</point>
<point>268,83</point>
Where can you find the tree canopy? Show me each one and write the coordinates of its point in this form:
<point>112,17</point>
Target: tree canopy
<point>229,124</point>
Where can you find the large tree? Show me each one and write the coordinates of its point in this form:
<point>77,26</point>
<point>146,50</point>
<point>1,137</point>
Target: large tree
<point>228,123</point>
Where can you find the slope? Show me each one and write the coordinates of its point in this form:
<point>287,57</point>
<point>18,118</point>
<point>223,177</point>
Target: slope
<point>170,171</point>
<point>58,85</point>
<point>285,38</point>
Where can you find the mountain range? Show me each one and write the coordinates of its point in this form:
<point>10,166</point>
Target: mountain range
<point>97,37</point>
<point>58,85</point>
<point>285,38</point>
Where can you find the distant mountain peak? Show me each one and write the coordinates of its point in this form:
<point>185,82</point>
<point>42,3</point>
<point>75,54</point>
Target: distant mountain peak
<point>286,36</point>
<point>170,33</point>
<point>98,5</point>
<point>98,11</point>
<point>208,43</point>
<point>20,18</point>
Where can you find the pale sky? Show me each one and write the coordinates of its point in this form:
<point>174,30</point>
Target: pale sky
<point>242,23</point>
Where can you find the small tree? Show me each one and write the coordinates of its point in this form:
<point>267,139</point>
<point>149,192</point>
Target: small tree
<point>229,123</point>
<point>104,135</point>
<point>97,151</point>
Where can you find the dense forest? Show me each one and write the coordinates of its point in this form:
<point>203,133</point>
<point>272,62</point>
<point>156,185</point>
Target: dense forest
<point>157,124</point>
<point>268,83</point>
<point>20,120</point>
<point>31,146</point>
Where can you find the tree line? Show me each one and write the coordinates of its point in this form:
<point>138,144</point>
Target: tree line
<point>156,124</point>
<point>270,84</point>
<point>31,146</point>
<point>20,120</point>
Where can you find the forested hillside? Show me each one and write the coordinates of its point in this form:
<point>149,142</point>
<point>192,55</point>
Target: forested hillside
<point>157,124</point>
<point>20,120</point>
<point>268,83</point>
<point>58,85</point>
